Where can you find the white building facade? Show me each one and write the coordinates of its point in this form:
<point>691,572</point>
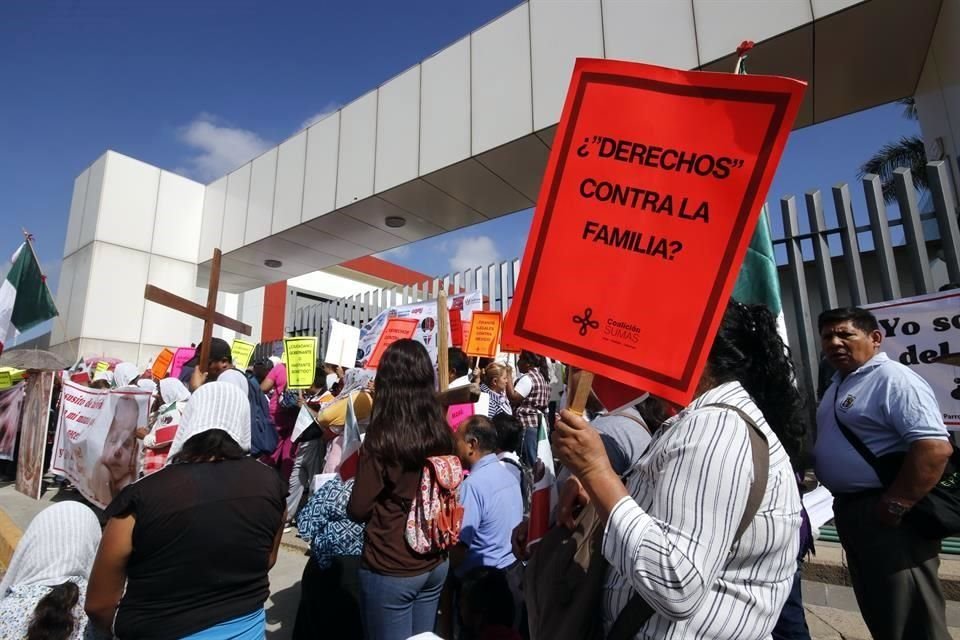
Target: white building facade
<point>460,138</point>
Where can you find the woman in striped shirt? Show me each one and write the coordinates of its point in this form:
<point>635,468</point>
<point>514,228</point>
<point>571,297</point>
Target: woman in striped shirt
<point>669,534</point>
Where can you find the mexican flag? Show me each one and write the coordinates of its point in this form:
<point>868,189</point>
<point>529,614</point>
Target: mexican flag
<point>25,300</point>
<point>757,282</point>
<point>544,487</point>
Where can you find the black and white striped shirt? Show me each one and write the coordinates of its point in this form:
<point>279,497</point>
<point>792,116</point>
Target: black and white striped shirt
<point>671,541</point>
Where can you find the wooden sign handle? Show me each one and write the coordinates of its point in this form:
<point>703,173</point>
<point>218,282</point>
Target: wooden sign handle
<point>443,331</point>
<point>581,393</point>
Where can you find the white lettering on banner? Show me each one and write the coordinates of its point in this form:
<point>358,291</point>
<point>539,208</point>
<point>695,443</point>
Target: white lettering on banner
<point>95,445</point>
<point>918,332</point>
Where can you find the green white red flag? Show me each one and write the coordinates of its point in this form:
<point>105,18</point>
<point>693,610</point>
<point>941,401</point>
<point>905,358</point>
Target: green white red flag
<point>25,300</point>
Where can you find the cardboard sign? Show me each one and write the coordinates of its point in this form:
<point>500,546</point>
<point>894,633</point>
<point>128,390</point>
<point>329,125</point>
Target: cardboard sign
<point>457,413</point>
<point>242,351</point>
<point>301,361</point>
<point>396,329</point>
<point>484,334</point>
<point>102,366</point>
<point>161,364</point>
<point>456,328</point>
<point>919,332</point>
<point>652,191</point>
<point>180,357</point>
<point>343,344</point>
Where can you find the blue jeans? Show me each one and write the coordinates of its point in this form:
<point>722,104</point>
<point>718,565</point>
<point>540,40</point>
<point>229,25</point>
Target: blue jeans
<point>395,607</point>
<point>528,450</point>
<point>252,626</point>
<point>792,624</point>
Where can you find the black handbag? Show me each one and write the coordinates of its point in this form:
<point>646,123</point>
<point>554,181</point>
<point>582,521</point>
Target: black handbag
<point>936,515</point>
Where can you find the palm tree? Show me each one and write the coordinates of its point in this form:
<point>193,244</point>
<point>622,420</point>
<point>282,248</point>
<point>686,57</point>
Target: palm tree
<point>907,152</point>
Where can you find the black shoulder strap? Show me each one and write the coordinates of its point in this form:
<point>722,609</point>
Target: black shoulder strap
<point>638,611</point>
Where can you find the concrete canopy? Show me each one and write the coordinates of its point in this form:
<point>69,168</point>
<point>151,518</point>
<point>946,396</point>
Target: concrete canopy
<point>463,136</point>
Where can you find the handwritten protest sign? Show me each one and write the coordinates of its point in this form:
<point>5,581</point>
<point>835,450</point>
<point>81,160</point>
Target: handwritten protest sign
<point>484,334</point>
<point>343,344</point>
<point>242,351</point>
<point>457,413</point>
<point>95,445</point>
<point>396,329</point>
<point>918,332</point>
<point>161,363</point>
<point>180,358</point>
<point>652,191</point>
<point>456,328</point>
<point>301,361</point>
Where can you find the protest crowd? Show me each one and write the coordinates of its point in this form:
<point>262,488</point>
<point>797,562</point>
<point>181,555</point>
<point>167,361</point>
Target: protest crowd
<point>526,518</point>
<point>457,492</point>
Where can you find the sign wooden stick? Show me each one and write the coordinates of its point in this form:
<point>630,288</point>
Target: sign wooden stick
<point>443,334</point>
<point>582,392</point>
<point>208,313</point>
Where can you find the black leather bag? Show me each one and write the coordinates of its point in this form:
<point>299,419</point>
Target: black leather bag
<point>936,515</point>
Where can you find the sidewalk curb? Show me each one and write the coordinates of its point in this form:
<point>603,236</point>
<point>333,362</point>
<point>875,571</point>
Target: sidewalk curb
<point>9,538</point>
<point>828,566</point>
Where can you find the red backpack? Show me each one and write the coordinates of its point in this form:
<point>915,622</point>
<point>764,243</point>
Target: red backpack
<point>435,517</point>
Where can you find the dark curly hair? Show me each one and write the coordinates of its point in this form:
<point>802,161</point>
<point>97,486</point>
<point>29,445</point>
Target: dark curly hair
<point>748,349</point>
<point>53,616</point>
<point>407,424</point>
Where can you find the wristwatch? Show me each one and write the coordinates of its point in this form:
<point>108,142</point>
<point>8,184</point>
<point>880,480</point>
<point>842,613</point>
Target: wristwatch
<point>895,508</point>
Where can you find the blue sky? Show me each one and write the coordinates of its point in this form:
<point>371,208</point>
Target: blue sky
<point>200,87</point>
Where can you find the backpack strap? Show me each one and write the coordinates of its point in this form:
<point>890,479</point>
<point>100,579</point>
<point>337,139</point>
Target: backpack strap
<point>638,611</point>
<point>636,419</point>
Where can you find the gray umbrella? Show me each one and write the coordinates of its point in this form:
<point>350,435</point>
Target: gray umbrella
<point>33,360</point>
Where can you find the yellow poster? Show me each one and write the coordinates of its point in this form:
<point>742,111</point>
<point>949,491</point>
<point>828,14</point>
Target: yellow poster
<point>301,354</point>
<point>102,366</point>
<point>242,351</point>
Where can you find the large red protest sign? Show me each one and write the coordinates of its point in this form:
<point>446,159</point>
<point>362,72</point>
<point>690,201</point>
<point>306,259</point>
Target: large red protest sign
<point>396,329</point>
<point>652,191</point>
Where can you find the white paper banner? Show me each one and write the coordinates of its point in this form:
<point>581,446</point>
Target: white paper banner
<point>96,445</point>
<point>917,331</point>
<point>426,313</point>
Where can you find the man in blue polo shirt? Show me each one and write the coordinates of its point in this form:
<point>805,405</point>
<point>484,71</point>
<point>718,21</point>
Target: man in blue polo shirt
<point>492,504</point>
<point>890,410</point>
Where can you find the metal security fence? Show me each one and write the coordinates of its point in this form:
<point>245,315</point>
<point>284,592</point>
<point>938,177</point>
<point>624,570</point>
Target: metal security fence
<point>812,278</point>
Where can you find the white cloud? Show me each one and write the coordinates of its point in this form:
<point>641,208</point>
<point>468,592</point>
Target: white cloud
<point>403,251</point>
<point>473,252</point>
<point>218,148</point>
<point>328,109</point>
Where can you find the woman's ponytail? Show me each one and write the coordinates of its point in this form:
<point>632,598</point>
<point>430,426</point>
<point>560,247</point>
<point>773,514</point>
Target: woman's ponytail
<point>53,617</point>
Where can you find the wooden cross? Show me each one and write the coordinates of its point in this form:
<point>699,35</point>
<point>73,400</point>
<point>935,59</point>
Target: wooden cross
<point>208,313</point>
